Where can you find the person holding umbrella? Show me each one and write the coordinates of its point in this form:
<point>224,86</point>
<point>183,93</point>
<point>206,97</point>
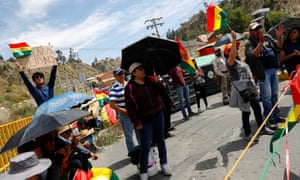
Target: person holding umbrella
<point>144,107</point>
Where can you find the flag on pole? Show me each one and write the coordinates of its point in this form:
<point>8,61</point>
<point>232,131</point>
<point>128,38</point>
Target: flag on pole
<point>20,49</point>
<point>187,63</point>
<point>292,120</point>
<point>294,113</point>
<point>216,18</point>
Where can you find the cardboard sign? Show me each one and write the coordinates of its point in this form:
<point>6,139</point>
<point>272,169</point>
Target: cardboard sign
<point>42,56</point>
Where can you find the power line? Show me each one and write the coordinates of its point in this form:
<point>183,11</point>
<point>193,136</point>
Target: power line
<point>154,24</point>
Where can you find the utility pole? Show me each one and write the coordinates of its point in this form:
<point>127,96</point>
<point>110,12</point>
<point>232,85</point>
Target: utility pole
<point>154,24</point>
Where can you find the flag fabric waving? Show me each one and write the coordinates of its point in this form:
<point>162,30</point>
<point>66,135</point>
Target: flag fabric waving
<point>216,18</point>
<point>294,114</point>
<point>187,63</point>
<point>20,49</point>
<point>292,120</point>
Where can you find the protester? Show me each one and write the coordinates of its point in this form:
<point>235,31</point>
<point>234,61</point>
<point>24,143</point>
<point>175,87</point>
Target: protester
<point>144,107</point>
<point>263,63</point>
<point>117,102</point>
<point>87,125</point>
<point>199,86</point>
<point>80,155</point>
<point>221,71</point>
<point>26,166</point>
<point>240,73</point>
<point>290,52</point>
<point>58,156</point>
<point>41,92</point>
<point>182,90</point>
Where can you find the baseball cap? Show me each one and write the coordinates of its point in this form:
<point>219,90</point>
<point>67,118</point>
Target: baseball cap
<point>134,66</point>
<point>117,71</point>
<point>254,25</point>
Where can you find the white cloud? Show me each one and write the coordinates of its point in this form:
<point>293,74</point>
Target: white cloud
<point>77,36</point>
<point>35,8</point>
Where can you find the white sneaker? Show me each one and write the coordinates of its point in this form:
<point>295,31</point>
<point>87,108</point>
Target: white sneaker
<point>166,170</point>
<point>144,176</point>
<point>200,110</point>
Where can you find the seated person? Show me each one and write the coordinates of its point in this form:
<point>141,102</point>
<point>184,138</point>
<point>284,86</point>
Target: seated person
<point>80,155</point>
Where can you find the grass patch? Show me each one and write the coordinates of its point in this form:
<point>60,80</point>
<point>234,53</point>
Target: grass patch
<point>109,135</point>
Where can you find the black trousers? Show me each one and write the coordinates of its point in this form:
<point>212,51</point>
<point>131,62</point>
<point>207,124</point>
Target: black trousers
<point>200,91</point>
<point>257,113</point>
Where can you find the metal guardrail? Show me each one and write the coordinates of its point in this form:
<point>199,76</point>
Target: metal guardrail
<point>6,131</point>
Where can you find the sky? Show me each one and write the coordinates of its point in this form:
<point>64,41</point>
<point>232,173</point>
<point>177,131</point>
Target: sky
<point>93,28</point>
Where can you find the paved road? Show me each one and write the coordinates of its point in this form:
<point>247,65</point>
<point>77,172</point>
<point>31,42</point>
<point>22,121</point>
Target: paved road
<point>207,145</point>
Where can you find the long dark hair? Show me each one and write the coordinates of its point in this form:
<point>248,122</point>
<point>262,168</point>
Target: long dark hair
<point>287,40</point>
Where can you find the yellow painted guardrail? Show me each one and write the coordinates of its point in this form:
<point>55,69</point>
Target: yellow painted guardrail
<point>6,131</point>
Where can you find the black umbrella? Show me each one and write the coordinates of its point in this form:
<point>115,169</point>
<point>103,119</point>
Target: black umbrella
<point>157,55</point>
<point>288,23</point>
<point>42,125</point>
<point>226,39</point>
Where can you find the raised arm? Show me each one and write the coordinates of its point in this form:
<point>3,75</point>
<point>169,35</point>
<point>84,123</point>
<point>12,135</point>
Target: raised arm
<point>232,54</point>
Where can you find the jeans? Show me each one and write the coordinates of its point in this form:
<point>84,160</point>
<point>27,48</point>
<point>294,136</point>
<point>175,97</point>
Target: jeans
<point>269,92</point>
<point>183,92</point>
<point>154,124</point>
<point>128,129</point>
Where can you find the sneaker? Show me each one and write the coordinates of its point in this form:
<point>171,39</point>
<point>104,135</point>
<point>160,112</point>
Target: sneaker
<point>200,110</point>
<point>186,118</point>
<point>144,176</point>
<point>208,107</point>
<point>271,125</point>
<point>166,170</point>
<point>249,137</point>
<point>169,135</point>
<point>192,114</point>
<point>225,103</point>
<point>172,129</point>
<point>266,131</point>
<point>279,119</point>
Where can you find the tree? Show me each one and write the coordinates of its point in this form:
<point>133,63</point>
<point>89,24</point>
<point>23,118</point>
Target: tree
<point>274,18</point>
<point>171,34</point>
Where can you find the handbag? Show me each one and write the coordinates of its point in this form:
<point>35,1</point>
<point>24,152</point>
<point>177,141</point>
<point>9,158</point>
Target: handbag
<point>246,89</point>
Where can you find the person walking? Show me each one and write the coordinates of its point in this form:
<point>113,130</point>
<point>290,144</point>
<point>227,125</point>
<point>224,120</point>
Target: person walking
<point>240,73</point>
<point>220,69</point>
<point>117,102</point>
<point>199,86</point>
<point>41,92</point>
<point>261,58</point>
<point>144,107</point>
<point>182,89</point>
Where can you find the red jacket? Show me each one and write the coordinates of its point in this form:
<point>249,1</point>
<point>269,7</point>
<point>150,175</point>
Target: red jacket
<point>143,100</point>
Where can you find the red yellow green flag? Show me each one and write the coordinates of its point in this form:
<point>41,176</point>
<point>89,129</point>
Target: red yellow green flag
<point>20,49</point>
<point>216,18</point>
<point>187,64</point>
<point>292,118</point>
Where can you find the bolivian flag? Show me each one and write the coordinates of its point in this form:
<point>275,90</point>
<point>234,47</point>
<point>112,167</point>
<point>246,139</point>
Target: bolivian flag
<point>20,49</point>
<point>216,18</point>
<point>292,118</point>
<point>96,174</point>
<point>102,96</point>
<point>187,63</point>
